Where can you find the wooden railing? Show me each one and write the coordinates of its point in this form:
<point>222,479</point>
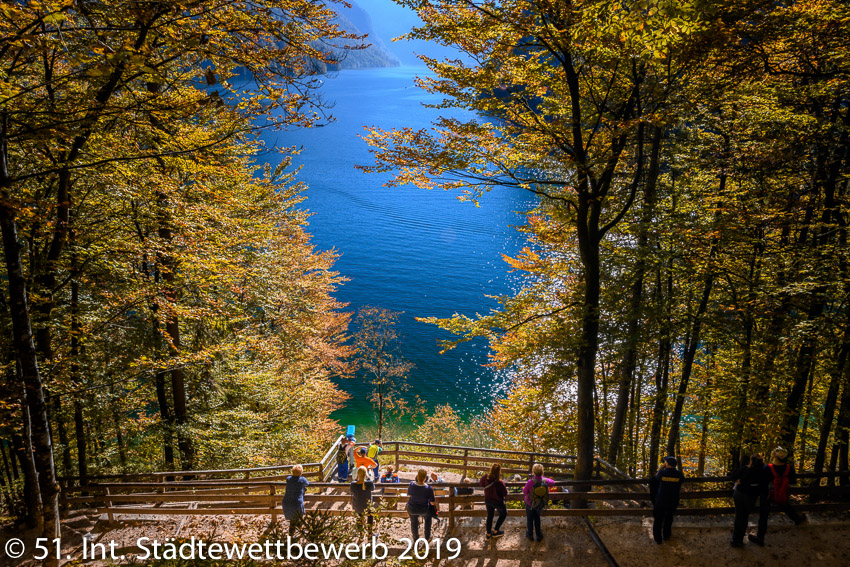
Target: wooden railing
<point>255,491</point>
<point>321,471</point>
<point>471,460</point>
<point>264,497</point>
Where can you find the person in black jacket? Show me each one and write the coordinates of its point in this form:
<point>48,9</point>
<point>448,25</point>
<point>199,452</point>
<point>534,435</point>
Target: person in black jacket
<point>751,482</point>
<point>664,489</point>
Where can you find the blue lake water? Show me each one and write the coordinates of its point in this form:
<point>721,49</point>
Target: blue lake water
<point>406,249</point>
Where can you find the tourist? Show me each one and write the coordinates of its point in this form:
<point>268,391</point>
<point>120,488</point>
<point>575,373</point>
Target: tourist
<point>373,452</point>
<point>465,491</point>
<point>495,493</point>
<point>389,475</point>
<point>516,489</point>
<point>293,497</point>
<point>750,487</point>
<point>664,489</point>
<point>352,447</point>
<point>435,478</point>
<point>361,496</point>
<point>362,460</point>
<point>536,493</point>
<point>342,460</point>
<point>781,476</point>
<point>421,499</point>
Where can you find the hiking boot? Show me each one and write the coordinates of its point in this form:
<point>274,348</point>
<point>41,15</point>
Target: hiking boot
<point>529,537</point>
<point>737,543</point>
<point>540,537</point>
<point>488,535</point>
<point>755,540</point>
<point>801,519</point>
<point>497,533</point>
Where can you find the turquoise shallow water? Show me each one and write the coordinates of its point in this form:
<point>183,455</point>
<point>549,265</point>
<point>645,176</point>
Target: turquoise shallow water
<point>405,249</point>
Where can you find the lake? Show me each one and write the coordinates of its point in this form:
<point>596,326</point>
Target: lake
<point>406,249</point>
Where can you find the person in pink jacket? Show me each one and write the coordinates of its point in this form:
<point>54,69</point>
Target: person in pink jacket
<point>536,492</point>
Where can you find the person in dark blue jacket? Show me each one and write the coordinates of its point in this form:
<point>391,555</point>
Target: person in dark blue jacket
<point>664,489</point>
<point>293,497</point>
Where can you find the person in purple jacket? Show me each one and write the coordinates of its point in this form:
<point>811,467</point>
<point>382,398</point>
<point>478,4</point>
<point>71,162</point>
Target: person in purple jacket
<point>536,492</point>
<point>495,492</point>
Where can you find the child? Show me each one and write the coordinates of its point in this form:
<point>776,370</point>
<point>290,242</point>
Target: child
<point>389,475</point>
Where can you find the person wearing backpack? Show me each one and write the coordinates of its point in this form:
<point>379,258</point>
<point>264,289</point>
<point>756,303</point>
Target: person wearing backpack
<point>782,476</point>
<point>536,492</point>
<point>342,460</point>
<point>352,445</point>
<point>751,483</point>
<point>373,452</point>
<point>495,492</point>
<point>664,490</point>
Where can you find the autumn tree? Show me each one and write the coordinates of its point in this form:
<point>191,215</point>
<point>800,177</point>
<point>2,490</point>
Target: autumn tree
<point>378,358</point>
<point>569,90</point>
<point>87,85</point>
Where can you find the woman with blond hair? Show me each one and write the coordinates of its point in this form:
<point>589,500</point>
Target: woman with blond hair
<point>361,495</point>
<point>536,492</point>
<point>421,498</point>
<point>293,497</point>
<point>495,493</point>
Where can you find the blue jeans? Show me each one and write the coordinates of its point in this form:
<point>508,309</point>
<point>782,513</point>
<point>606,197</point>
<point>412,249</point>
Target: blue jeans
<point>414,526</point>
<point>415,513</point>
<point>342,471</point>
<point>532,522</point>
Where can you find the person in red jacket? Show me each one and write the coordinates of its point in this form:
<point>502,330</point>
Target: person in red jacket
<point>495,492</point>
<point>782,474</point>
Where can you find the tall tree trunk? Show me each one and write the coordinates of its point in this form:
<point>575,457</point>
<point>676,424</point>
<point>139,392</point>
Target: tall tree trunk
<point>688,362</point>
<point>167,420</point>
<point>633,323</point>
<point>692,342</point>
<point>116,422</point>
<point>76,351</point>
<point>168,265</point>
<point>63,435</point>
<point>842,432</point>
<point>28,363</point>
<point>22,448</point>
<point>805,361</point>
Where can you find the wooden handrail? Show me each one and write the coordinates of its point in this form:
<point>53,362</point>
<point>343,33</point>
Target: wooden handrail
<point>485,450</point>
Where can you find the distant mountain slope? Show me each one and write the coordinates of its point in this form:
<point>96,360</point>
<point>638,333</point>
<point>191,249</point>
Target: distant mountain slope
<point>356,20</point>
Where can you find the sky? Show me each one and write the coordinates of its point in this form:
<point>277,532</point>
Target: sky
<point>390,21</point>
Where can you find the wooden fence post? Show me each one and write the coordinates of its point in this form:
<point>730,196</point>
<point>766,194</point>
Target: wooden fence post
<point>397,449</point>
<point>465,467</point>
<point>109,515</point>
<point>274,504</point>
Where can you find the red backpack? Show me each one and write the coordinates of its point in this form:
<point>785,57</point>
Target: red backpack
<point>779,487</point>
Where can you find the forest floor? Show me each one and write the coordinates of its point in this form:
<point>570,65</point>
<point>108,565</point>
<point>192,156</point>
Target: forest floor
<point>697,541</point>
